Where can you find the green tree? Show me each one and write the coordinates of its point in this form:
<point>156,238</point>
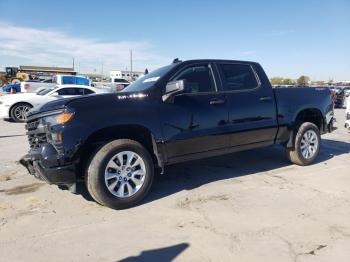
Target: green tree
<point>303,80</point>
<point>288,81</point>
<point>276,80</point>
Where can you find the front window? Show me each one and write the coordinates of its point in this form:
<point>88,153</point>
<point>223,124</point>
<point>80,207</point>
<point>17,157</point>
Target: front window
<point>45,91</point>
<point>149,80</point>
<point>199,79</point>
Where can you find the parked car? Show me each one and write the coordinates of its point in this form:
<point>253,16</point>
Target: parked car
<point>32,86</point>
<point>347,91</point>
<point>119,83</point>
<point>180,112</point>
<point>347,113</point>
<point>16,107</point>
<point>339,97</point>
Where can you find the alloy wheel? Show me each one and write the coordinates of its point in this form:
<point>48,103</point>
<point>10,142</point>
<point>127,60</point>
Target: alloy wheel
<point>125,174</point>
<point>309,144</point>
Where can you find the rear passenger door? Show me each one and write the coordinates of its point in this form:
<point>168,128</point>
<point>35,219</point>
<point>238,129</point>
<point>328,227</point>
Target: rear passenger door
<point>252,109</point>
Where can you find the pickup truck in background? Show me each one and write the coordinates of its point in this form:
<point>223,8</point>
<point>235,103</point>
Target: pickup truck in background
<point>33,86</point>
<point>180,112</point>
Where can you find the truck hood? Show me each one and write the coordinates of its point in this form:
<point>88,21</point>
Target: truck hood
<point>62,103</point>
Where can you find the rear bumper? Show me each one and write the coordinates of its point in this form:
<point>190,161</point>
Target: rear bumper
<point>61,175</point>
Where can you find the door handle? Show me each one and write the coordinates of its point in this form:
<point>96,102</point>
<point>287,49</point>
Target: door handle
<point>217,102</point>
<point>265,98</point>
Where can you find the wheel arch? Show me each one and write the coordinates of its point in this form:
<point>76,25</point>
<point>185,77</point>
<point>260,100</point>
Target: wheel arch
<point>104,135</point>
<point>310,114</point>
<point>17,103</point>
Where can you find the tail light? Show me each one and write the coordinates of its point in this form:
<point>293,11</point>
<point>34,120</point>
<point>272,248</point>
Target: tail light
<point>26,86</point>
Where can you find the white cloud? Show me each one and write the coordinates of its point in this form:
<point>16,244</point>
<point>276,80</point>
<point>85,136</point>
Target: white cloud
<point>33,46</point>
<point>248,53</point>
<point>281,32</point>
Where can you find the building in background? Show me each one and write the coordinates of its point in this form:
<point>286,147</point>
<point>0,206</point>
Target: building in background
<point>125,75</point>
<point>47,71</point>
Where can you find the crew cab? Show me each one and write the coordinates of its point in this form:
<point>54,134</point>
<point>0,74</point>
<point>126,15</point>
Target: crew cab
<point>180,112</point>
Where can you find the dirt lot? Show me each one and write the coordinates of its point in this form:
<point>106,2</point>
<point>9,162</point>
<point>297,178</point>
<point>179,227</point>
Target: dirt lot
<point>248,206</point>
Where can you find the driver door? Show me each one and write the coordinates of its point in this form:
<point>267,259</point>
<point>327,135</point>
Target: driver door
<point>195,121</point>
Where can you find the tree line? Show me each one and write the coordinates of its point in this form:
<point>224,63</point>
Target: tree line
<point>301,81</point>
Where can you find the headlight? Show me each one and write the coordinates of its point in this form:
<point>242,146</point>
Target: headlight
<point>59,119</point>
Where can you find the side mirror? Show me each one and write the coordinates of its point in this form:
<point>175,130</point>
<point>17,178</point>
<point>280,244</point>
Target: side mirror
<point>55,94</point>
<point>172,88</point>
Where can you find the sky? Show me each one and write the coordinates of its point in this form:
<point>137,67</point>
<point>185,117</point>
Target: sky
<point>288,38</point>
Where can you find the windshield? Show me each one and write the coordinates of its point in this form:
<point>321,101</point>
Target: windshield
<point>44,91</point>
<point>148,80</point>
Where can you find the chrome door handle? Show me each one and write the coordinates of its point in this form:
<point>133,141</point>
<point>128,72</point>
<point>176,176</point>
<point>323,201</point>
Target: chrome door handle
<point>217,102</point>
<point>265,98</point>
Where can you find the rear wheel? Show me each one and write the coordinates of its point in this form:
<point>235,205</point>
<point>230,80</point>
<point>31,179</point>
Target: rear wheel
<point>306,145</point>
<point>18,112</point>
<point>120,174</point>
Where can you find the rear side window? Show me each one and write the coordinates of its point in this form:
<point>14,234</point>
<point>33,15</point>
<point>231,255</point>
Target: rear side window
<point>68,91</point>
<point>85,91</point>
<point>237,77</point>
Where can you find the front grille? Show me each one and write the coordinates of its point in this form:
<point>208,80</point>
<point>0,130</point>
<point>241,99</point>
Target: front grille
<point>36,134</point>
<point>32,125</point>
<point>36,140</point>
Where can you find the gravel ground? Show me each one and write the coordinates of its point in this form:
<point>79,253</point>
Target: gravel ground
<point>247,206</point>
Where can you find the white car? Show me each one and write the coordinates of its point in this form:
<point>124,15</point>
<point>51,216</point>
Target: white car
<point>16,106</point>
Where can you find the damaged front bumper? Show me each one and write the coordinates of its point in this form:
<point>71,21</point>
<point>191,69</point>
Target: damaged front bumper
<point>60,175</point>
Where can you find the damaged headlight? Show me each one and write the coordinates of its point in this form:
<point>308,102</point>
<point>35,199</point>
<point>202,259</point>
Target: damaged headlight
<point>59,119</point>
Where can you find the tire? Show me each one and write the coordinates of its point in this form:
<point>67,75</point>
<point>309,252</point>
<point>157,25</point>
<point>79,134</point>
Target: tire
<point>18,112</point>
<point>121,193</point>
<point>297,153</point>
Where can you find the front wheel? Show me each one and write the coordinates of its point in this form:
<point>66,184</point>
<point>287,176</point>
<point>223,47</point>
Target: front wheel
<point>120,174</point>
<point>18,112</point>
<point>306,145</point>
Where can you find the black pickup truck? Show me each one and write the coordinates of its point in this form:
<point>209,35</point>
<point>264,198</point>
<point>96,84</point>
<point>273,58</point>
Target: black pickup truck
<point>182,111</point>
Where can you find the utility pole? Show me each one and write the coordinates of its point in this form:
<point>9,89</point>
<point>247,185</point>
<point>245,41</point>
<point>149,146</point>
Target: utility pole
<point>73,63</point>
<point>102,70</point>
<point>131,64</point>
